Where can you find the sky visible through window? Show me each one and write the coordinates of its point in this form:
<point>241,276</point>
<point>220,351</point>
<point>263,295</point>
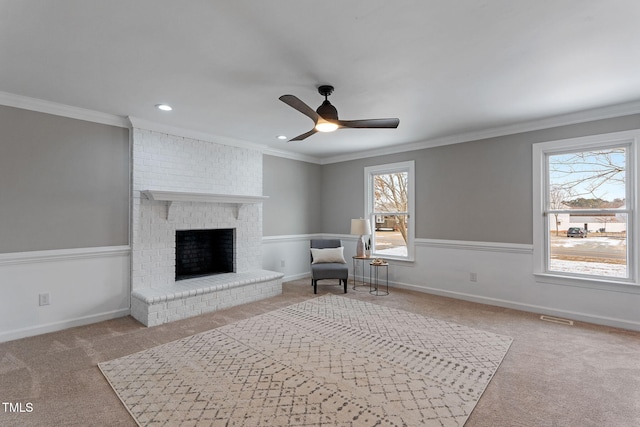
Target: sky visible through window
<point>598,174</point>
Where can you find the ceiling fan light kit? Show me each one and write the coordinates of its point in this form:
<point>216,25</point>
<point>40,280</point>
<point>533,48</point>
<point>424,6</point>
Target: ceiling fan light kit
<point>325,126</point>
<point>325,118</point>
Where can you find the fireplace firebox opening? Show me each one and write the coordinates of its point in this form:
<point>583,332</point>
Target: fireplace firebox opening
<point>204,252</point>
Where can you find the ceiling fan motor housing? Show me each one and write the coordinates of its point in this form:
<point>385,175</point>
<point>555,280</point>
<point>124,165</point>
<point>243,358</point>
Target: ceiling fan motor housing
<point>327,111</point>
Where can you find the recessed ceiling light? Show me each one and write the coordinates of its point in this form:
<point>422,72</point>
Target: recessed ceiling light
<point>164,107</point>
<point>281,137</point>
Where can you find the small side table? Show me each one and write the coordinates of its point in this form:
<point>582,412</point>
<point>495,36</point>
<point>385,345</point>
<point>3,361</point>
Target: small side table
<point>355,266</point>
<point>374,282</point>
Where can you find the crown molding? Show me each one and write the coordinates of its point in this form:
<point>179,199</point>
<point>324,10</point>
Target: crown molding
<point>612,111</point>
<point>63,110</point>
<point>139,123</point>
<point>291,155</point>
<point>135,122</point>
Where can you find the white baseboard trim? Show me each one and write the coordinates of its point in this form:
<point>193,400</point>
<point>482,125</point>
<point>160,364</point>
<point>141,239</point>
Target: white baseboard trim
<point>530,308</point>
<point>299,276</point>
<point>61,325</point>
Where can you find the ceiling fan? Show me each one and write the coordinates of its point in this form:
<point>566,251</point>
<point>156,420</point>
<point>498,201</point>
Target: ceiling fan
<point>326,119</point>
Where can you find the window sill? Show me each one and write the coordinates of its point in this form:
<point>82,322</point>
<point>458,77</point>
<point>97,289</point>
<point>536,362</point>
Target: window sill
<point>600,284</point>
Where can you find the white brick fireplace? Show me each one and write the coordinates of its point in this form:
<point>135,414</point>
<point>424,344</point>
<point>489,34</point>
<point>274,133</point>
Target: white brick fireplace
<point>188,184</point>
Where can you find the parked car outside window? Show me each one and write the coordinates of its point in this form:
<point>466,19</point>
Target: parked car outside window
<point>577,232</point>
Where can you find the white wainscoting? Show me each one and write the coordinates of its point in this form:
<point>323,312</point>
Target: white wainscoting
<point>293,250</point>
<point>93,284</point>
<point>504,277</point>
<point>85,285</point>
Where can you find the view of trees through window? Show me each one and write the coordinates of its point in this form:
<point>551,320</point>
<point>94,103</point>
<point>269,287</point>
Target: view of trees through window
<point>587,212</point>
<point>390,213</point>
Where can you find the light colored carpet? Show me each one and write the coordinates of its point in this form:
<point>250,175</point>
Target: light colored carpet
<point>330,360</point>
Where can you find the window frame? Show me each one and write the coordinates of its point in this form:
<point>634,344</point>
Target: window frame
<point>541,245</point>
<point>369,172</point>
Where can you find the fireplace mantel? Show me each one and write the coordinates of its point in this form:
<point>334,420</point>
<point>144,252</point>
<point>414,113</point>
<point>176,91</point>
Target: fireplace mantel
<point>185,196</point>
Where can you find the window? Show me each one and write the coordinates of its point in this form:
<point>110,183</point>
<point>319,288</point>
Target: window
<point>389,204</point>
<point>585,207</point>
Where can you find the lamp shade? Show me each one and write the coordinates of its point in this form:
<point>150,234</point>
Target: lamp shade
<point>360,226</point>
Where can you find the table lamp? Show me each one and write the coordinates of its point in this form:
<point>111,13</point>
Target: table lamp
<point>360,227</point>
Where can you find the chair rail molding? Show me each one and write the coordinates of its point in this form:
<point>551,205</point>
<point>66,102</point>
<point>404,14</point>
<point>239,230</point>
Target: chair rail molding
<point>55,255</point>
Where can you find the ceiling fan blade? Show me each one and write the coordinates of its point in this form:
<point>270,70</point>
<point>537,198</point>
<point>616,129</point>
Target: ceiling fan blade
<point>294,102</point>
<point>370,123</point>
<point>304,135</point>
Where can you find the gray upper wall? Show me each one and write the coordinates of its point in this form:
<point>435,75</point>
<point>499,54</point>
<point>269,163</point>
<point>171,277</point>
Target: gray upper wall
<point>295,190</point>
<point>64,183</point>
<point>474,191</point>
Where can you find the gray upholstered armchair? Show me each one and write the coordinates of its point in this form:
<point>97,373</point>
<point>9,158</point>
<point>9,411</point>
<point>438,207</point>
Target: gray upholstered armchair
<point>328,262</point>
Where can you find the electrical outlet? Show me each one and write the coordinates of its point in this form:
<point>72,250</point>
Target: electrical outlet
<point>44,299</point>
<point>473,277</point>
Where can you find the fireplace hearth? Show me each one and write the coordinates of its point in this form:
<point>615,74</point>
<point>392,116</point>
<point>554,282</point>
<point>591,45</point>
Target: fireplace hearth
<point>204,252</point>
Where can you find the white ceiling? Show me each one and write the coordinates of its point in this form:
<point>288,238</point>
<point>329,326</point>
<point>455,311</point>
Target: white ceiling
<point>444,68</point>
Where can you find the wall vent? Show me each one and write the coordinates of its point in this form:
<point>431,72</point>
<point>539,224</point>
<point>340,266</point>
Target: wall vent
<point>556,320</point>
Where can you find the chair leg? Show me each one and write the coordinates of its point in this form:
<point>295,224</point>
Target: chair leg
<point>315,286</point>
<point>345,285</point>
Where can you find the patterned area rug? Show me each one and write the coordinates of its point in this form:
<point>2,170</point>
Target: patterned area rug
<point>329,361</point>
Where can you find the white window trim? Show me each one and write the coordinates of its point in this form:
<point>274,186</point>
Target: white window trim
<point>540,243</point>
<point>408,166</point>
